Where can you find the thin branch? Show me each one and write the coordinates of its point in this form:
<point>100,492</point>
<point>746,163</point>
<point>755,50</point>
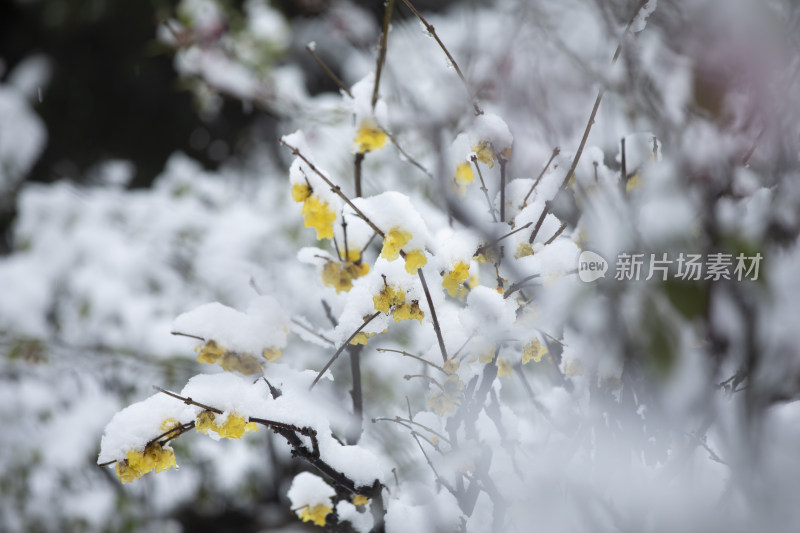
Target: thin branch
<point>518,284</point>
<point>334,188</point>
<point>418,358</point>
<point>188,401</point>
<point>474,160</point>
<point>432,31</point>
<point>557,233</point>
<point>405,421</point>
<point>405,154</point>
<point>178,333</point>
<point>387,17</point>
<point>435,320</point>
<point>586,131</point>
<point>329,315</point>
<point>356,393</point>
<point>503,163</point>
<point>328,71</point>
<point>429,379</point>
<point>341,348</point>
<point>299,324</point>
<point>556,151</point>
<point>359,158</point>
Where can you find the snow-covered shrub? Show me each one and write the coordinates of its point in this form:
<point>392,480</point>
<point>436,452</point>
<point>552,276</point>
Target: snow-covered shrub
<point>550,284</point>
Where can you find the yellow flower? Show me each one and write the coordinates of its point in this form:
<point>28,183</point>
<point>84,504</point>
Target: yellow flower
<point>444,401</point>
<point>408,312</point>
<point>353,255</point>
<point>634,182</point>
<point>524,249</point>
<point>341,275</point>
<point>454,279</point>
<point>387,298</point>
<point>451,366</point>
<point>369,136</point>
<point>233,427</point>
<point>488,254</point>
<point>300,191</point>
<point>314,514</point>
<point>361,338</point>
<point>240,362</point>
<point>358,499</point>
<point>318,215</point>
<point>415,260</point>
<point>484,153</point>
<point>394,242</point>
<point>533,351</point>
<point>503,368</point>
<point>271,354</point>
<point>573,368</point>
<point>487,356</point>
<point>209,352</point>
<point>442,404</point>
<point>464,174</point>
<point>136,463</point>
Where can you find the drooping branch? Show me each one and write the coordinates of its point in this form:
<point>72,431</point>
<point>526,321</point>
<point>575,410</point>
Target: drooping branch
<point>432,32</point>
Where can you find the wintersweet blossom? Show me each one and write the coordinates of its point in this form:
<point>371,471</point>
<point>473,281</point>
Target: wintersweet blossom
<point>359,499</point>
<point>408,311</point>
<point>445,400</point>
<point>503,368</point>
<point>369,136</point>
<point>340,275</point>
<point>464,174</point>
<point>361,338</point>
<point>484,153</point>
<point>523,250</point>
<point>318,215</point>
<point>453,280</point>
<point>393,243</point>
<point>136,463</point>
<point>211,352</point>
<point>533,351</point>
<point>315,514</point>
<point>233,427</point>
<point>300,192</point>
<point>415,259</point>
<point>387,298</point>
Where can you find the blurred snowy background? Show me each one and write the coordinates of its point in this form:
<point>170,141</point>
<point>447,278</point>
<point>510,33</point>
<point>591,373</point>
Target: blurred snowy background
<point>140,176</point>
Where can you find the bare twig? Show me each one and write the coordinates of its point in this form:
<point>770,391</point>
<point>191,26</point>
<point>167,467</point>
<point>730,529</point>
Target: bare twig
<point>387,17</point>
<point>474,160</point>
<point>435,320</point>
<point>307,329</point>
<point>586,131</point>
<point>556,151</point>
<point>341,348</point>
<point>418,358</point>
<point>328,71</point>
<point>432,31</point>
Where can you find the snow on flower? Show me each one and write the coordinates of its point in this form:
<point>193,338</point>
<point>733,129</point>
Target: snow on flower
<point>311,498</point>
<point>232,337</point>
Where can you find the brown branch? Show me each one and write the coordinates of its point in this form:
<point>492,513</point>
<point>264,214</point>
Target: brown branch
<point>418,358</point>
<point>474,160</point>
<point>556,151</point>
<point>435,320</point>
<point>586,131</point>
<point>387,17</point>
<point>334,188</point>
<point>341,348</point>
<point>328,71</point>
<point>432,31</point>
